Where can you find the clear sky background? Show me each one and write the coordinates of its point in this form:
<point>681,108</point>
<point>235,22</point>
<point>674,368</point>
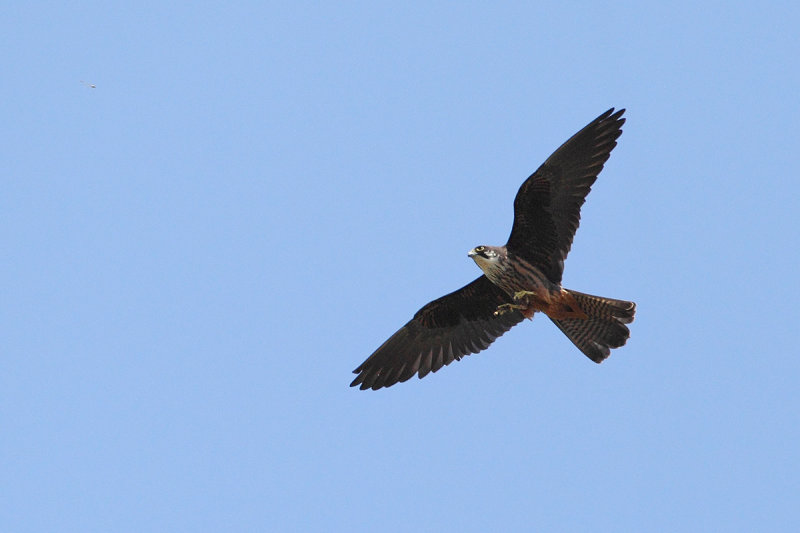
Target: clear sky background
<point>199,251</point>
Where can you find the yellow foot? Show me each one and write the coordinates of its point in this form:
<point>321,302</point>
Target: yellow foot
<point>507,308</point>
<point>519,295</point>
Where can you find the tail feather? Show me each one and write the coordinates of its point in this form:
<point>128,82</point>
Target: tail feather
<point>604,329</point>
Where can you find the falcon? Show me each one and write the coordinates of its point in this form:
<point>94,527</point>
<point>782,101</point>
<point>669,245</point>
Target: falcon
<point>519,279</point>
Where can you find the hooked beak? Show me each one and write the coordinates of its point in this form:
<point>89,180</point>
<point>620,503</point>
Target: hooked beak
<point>472,253</point>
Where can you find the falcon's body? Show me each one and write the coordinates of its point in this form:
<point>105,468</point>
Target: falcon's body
<point>531,289</point>
<point>520,278</point>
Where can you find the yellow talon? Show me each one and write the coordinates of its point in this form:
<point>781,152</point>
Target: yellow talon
<point>505,308</point>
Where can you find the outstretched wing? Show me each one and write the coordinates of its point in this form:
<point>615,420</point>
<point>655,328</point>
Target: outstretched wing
<point>547,209</point>
<point>446,329</point>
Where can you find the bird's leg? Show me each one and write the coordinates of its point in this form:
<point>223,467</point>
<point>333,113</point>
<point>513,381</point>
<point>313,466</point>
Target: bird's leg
<point>522,302</point>
<point>507,308</point>
<point>519,295</point>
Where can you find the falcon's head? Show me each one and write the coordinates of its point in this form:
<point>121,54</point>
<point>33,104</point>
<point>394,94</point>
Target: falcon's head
<point>487,257</point>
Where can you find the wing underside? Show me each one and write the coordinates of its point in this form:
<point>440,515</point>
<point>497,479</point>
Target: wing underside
<point>443,331</point>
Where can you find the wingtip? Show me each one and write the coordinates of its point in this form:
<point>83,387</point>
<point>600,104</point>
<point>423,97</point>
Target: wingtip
<point>611,120</point>
<point>611,116</point>
<point>612,111</point>
<point>361,384</point>
<point>366,381</point>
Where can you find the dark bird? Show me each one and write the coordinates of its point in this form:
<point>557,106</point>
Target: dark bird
<point>520,278</point>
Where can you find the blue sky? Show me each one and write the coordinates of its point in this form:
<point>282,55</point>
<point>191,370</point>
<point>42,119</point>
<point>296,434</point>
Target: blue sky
<point>199,250</point>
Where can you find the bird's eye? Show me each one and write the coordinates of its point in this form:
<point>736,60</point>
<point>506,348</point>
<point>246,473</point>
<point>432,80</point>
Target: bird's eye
<point>480,248</point>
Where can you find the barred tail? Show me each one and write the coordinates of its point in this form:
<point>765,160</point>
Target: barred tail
<point>604,329</point>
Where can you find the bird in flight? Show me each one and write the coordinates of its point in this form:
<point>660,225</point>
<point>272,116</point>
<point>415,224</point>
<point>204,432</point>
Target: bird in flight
<point>520,278</point>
